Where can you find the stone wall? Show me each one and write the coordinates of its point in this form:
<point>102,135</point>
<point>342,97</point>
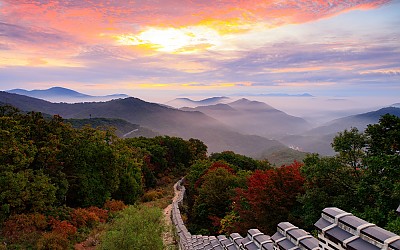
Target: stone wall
<point>337,230</point>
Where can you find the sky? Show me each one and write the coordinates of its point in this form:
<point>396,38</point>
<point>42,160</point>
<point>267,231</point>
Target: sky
<point>167,48</point>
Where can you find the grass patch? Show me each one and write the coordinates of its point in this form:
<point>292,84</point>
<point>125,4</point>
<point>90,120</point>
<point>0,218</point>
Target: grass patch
<point>136,227</point>
<point>164,197</point>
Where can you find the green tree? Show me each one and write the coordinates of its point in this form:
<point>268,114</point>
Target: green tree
<point>363,178</point>
<point>130,178</point>
<point>379,189</point>
<point>328,182</point>
<point>196,171</point>
<point>198,150</point>
<point>25,191</point>
<point>240,161</point>
<point>214,199</point>
<point>384,137</point>
<point>91,168</point>
<point>350,146</point>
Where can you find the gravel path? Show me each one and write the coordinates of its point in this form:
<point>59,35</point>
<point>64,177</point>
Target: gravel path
<point>168,235</point>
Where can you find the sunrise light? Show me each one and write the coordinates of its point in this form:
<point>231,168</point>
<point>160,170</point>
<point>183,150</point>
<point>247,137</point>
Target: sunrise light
<point>173,40</point>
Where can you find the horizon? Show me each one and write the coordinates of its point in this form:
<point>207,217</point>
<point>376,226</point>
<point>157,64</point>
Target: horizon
<point>315,109</point>
<point>194,48</point>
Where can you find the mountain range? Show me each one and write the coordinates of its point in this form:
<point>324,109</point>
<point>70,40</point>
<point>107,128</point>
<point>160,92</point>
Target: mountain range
<point>319,139</point>
<point>247,127</point>
<point>282,95</point>
<point>253,117</point>
<point>160,119</point>
<point>59,94</point>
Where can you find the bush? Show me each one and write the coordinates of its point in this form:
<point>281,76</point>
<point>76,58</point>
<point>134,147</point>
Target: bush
<point>394,226</point>
<point>102,214</point>
<point>24,228</point>
<point>81,217</point>
<point>135,228</point>
<point>114,205</point>
<point>59,213</point>
<point>152,195</point>
<point>63,228</point>
<point>52,241</point>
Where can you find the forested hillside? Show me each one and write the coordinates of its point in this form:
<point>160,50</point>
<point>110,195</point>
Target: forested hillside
<point>159,118</point>
<point>57,181</point>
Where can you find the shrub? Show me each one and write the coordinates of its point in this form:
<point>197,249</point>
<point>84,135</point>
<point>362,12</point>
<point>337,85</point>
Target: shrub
<point>63,228</point>
<point>52,241</point>
<point>24,227</point>
<point>114,205</point>
<point>152,195</point>
<point>394,226</point>
<point>60,213</point>
<point>81,217</point>
<point>135,228</point>
<point>102,214</point>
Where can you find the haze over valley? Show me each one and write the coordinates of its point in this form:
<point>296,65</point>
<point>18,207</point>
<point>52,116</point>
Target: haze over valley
<point>242,125</point>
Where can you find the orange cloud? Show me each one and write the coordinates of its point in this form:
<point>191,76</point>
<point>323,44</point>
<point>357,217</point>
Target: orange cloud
<point>88,18</point>
<point>63,29</point>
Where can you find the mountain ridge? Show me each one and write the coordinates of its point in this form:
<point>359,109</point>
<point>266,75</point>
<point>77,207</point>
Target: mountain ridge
<point>318,139</point>
<point>60,94</point>
<point>187,102</point>
<point>163,120</point>
<point>254,117</point>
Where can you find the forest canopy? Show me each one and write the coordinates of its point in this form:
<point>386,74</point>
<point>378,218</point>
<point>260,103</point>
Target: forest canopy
<point>51,173</point>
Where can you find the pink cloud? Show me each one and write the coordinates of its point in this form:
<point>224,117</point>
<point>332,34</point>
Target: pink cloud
<point>92,16</point>
<point>65,28</point>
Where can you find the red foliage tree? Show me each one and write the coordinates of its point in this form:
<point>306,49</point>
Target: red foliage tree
<point>269,198</point>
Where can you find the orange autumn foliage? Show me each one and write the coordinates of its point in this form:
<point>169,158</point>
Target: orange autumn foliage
<point>114,205</point>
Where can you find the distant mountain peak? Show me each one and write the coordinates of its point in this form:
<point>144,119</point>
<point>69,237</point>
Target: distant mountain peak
<point>246,103</point>
<point>288,95</point>
<point>61,94</point>
<point>187,102</point>
<point>395,105</point>
<point>274,95</point>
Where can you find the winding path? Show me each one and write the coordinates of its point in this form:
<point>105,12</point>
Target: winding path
<point>168,235</point>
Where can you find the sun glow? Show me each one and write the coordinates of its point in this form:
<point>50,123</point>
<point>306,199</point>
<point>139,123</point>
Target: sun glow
<point>174,40</point>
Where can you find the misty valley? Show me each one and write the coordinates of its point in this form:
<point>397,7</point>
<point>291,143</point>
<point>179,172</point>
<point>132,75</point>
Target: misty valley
<point>245,126</point>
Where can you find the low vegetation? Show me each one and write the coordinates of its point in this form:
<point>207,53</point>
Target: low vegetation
<point>136,227</point>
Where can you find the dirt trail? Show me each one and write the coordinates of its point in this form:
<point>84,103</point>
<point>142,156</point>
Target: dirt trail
<point>168,235</point>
